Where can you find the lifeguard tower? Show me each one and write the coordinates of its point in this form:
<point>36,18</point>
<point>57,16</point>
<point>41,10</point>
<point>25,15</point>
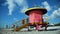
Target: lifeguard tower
<point>36,16</point>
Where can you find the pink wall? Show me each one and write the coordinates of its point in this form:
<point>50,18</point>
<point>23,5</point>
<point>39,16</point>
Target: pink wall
<point>35,17</point>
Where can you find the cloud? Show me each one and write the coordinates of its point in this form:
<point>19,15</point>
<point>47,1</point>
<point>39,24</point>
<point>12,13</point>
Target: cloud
<point>46,17</point>
<point>55,13</point>
<point>21,3</point>
<point>23,9</point>
<point>15,19</point>
<point>11,6</point>
<point>46,5</point>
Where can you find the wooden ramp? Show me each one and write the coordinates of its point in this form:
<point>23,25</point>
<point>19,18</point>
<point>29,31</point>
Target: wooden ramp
<point>21,27</point>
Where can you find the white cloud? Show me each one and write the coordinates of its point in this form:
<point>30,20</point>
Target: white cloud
<point>15,19</point>
<point>23,9</point>
<point>21,3</point>
<point>46,5</point>
<point>55,13</point>
<point>46,17</point>
<point>24,6</point>
<point>11,6</point>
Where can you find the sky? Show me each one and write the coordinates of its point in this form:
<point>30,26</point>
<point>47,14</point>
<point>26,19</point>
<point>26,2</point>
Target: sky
<point>12,11</point>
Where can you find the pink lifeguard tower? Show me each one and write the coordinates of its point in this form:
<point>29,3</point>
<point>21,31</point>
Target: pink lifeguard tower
<point>36,16</point>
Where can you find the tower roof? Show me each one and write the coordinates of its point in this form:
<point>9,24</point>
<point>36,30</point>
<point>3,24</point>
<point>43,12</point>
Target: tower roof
<point>43,10</point>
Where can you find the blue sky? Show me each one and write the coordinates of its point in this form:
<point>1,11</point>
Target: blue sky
<point>13,10</point>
